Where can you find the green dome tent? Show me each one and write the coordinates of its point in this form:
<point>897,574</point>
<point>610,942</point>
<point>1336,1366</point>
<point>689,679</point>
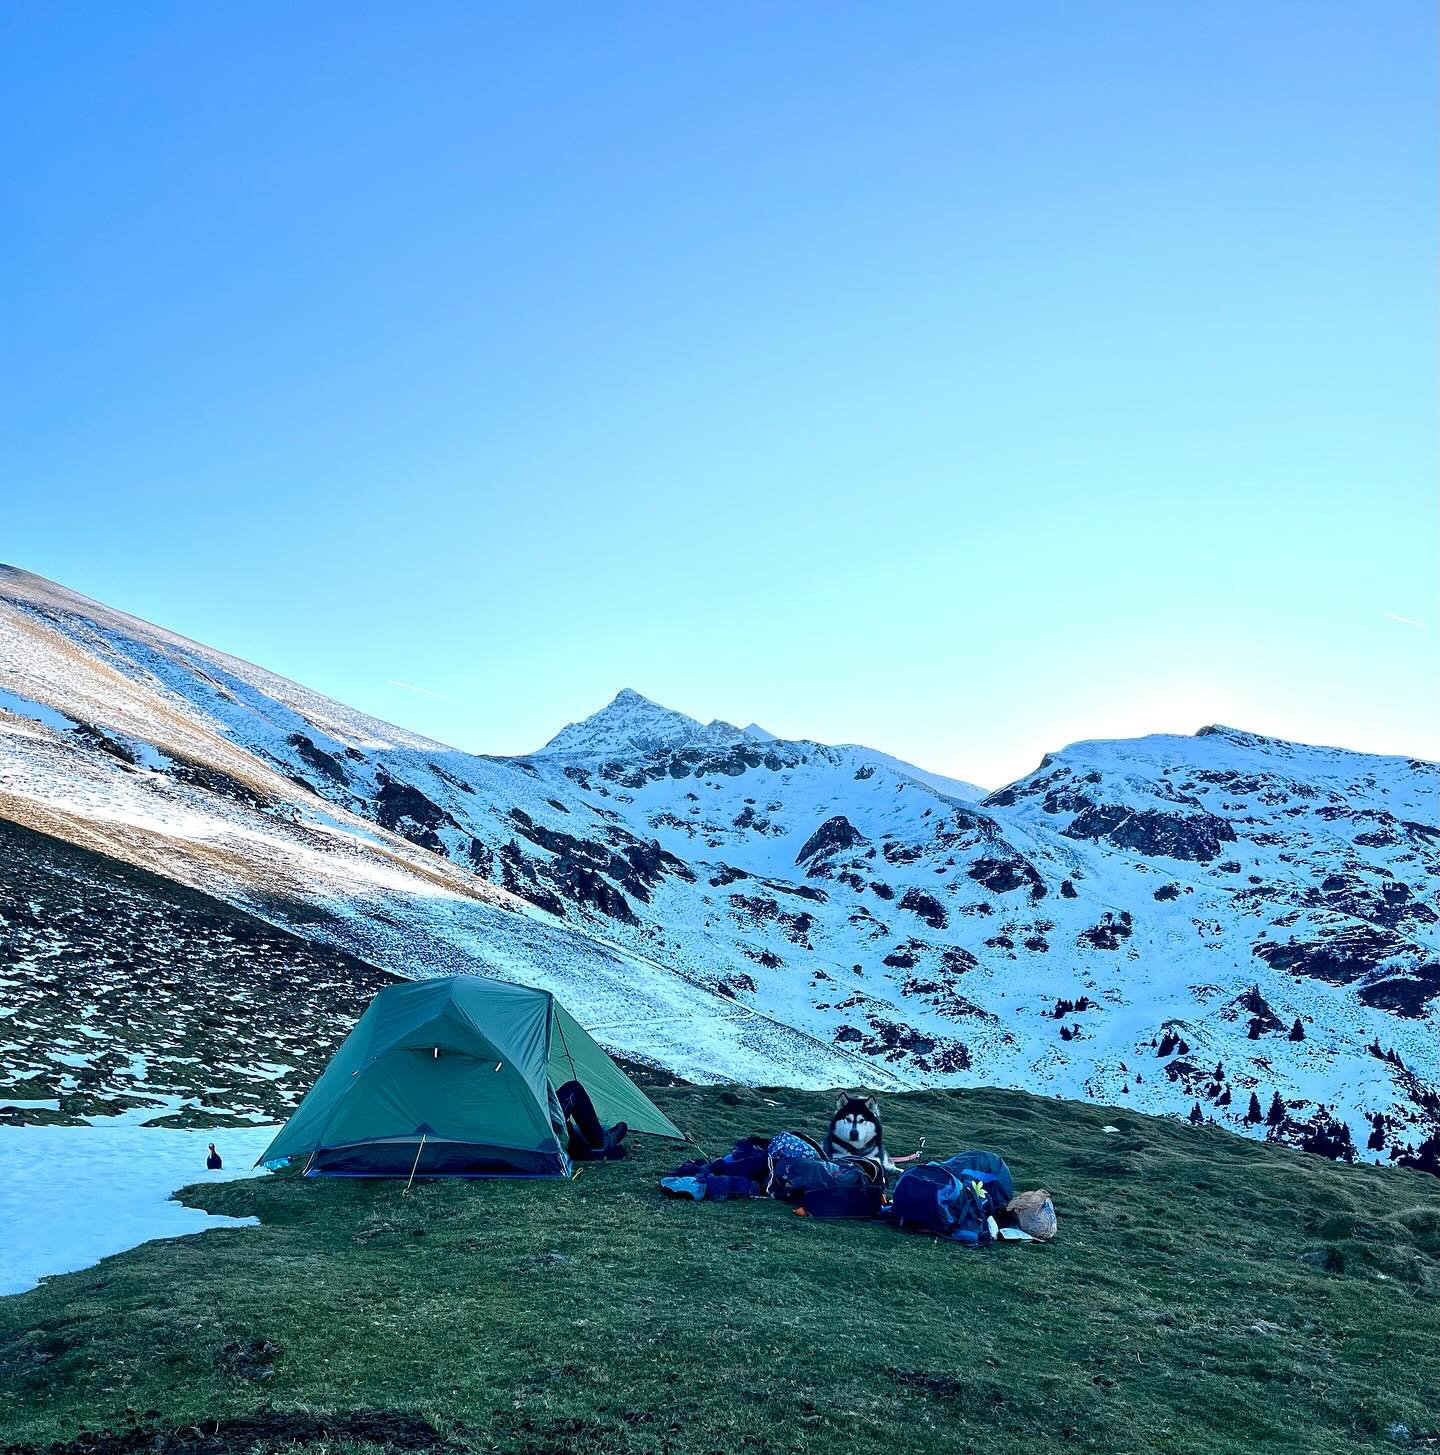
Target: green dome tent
<point>456,1077</point>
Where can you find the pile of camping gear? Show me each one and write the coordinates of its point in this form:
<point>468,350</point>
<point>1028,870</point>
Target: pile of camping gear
<point>969,1198</point>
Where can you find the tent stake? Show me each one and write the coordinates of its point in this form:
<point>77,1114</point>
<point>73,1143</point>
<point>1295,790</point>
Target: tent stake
<point>416,1162</point>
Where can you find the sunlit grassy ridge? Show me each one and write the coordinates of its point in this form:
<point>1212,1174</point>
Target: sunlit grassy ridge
<point>1205,1294</point>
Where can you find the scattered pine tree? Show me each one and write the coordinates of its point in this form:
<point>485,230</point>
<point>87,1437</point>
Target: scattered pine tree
<point>1297,1031</point>
<point>1275,1117</point>
<point>1253,1114</point>
<point>1196,1115</point>
<point>1327,1136</point>
<point>1425,1157</point>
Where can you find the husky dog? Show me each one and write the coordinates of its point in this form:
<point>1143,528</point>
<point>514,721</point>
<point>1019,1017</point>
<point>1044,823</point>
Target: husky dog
<point>855,1130</point>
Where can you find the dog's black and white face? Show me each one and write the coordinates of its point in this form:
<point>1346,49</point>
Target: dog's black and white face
<point>855,1126</point>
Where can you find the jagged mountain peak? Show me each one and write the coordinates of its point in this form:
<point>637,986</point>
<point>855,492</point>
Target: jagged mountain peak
<point>632,723</point>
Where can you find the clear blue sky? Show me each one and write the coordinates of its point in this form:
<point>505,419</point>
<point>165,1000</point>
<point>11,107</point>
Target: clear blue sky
<point>959,378</point>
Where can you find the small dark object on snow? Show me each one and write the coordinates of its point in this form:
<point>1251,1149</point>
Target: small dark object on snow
<point>213,1161</point>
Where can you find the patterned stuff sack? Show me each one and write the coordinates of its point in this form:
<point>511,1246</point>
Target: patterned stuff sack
<point>787,1155</point>
<point>1034,1213</point>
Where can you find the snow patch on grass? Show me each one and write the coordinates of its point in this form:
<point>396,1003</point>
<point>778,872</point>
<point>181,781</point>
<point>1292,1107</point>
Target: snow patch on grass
<point>70,1196</point>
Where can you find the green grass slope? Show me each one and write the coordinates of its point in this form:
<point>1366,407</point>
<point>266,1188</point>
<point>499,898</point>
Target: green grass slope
<point>1205,1294</point>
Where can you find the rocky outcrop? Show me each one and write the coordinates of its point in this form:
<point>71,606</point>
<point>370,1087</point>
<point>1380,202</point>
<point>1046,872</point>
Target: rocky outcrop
<point>834,834</point>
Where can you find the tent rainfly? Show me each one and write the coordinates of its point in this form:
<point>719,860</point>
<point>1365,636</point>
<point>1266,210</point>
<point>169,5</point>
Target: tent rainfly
<point>456,1077</point>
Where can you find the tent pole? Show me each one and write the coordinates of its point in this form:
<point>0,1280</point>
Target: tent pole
<point>574,1075</point>
<point>416,1162</point>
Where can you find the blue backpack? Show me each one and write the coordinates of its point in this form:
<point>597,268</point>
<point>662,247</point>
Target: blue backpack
<point>954,1198</point>
<point>989,1168</point>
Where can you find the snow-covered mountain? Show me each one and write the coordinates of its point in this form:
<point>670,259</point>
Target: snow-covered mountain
<point>1174,923</point>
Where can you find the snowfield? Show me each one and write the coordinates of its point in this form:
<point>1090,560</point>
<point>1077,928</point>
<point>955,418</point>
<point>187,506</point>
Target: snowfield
<point>1178,924</point>
<point>70,1196</point>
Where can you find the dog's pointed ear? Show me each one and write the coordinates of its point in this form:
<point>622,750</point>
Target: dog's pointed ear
<point>872,1106</point>
<point>841,1097</point>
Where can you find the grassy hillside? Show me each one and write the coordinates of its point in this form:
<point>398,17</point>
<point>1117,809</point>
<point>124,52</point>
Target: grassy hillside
<point>1205,1294</point>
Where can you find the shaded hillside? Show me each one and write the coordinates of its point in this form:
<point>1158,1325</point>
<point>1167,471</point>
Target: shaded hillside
<point>125,992</point>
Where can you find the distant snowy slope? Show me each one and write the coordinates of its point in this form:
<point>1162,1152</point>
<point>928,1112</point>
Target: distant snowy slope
<point>951,787</point>
<point>1189,925</point>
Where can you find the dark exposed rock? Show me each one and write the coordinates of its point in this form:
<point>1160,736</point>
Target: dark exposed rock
<point>581,865</point>
<point>1263,1019</point>
<point>1108,934</point>
<point>1339,958</point>
<point>93,737</point>
<point>586,886</point>
<point>404,809</point>
<point>1001,876</point>
<point>213,780</point>
<point>736,985</point>
<point>756,908</point>
<point>957,960</point>
<point>747,818</point>
<point>1405,992</point>
<point>890,1041</point>
<point>927,907</point>
<point>319,759</point>
<point>1194,836</point>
